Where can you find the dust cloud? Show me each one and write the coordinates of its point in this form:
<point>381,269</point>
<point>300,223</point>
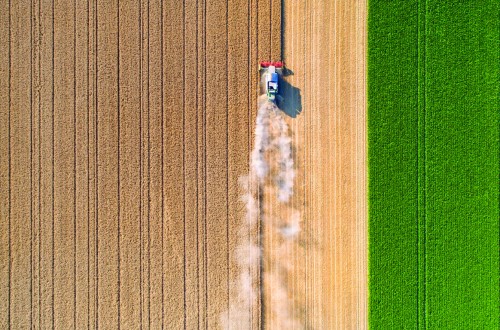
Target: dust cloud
<point>271,165</point>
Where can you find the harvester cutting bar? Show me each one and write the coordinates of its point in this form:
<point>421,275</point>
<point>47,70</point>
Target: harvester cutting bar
<point>266,64</point>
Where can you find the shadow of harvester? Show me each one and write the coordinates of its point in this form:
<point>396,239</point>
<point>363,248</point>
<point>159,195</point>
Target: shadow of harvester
<point>289,99</point>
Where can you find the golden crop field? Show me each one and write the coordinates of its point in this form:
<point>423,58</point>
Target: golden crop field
<point>125,130</point>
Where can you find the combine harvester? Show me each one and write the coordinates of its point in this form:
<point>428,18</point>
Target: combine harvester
<point>270,72</point>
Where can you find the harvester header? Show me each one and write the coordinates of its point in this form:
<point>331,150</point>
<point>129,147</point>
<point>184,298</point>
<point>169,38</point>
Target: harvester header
<point>266,64</point>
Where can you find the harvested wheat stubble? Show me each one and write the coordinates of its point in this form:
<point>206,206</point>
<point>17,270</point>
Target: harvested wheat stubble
<point>433,164</point>
<point>324,44</point>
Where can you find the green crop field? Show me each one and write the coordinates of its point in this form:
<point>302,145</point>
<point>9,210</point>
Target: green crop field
<point>433,120</point>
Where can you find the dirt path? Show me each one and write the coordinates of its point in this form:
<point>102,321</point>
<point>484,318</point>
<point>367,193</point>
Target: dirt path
<point>124,128</point>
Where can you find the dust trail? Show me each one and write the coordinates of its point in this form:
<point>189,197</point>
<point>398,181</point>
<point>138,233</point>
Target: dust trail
<point>248,254</point>
<point>287,226</point>
<point>271,164</point>
<point>258,164</point>
<point>286,173</point>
